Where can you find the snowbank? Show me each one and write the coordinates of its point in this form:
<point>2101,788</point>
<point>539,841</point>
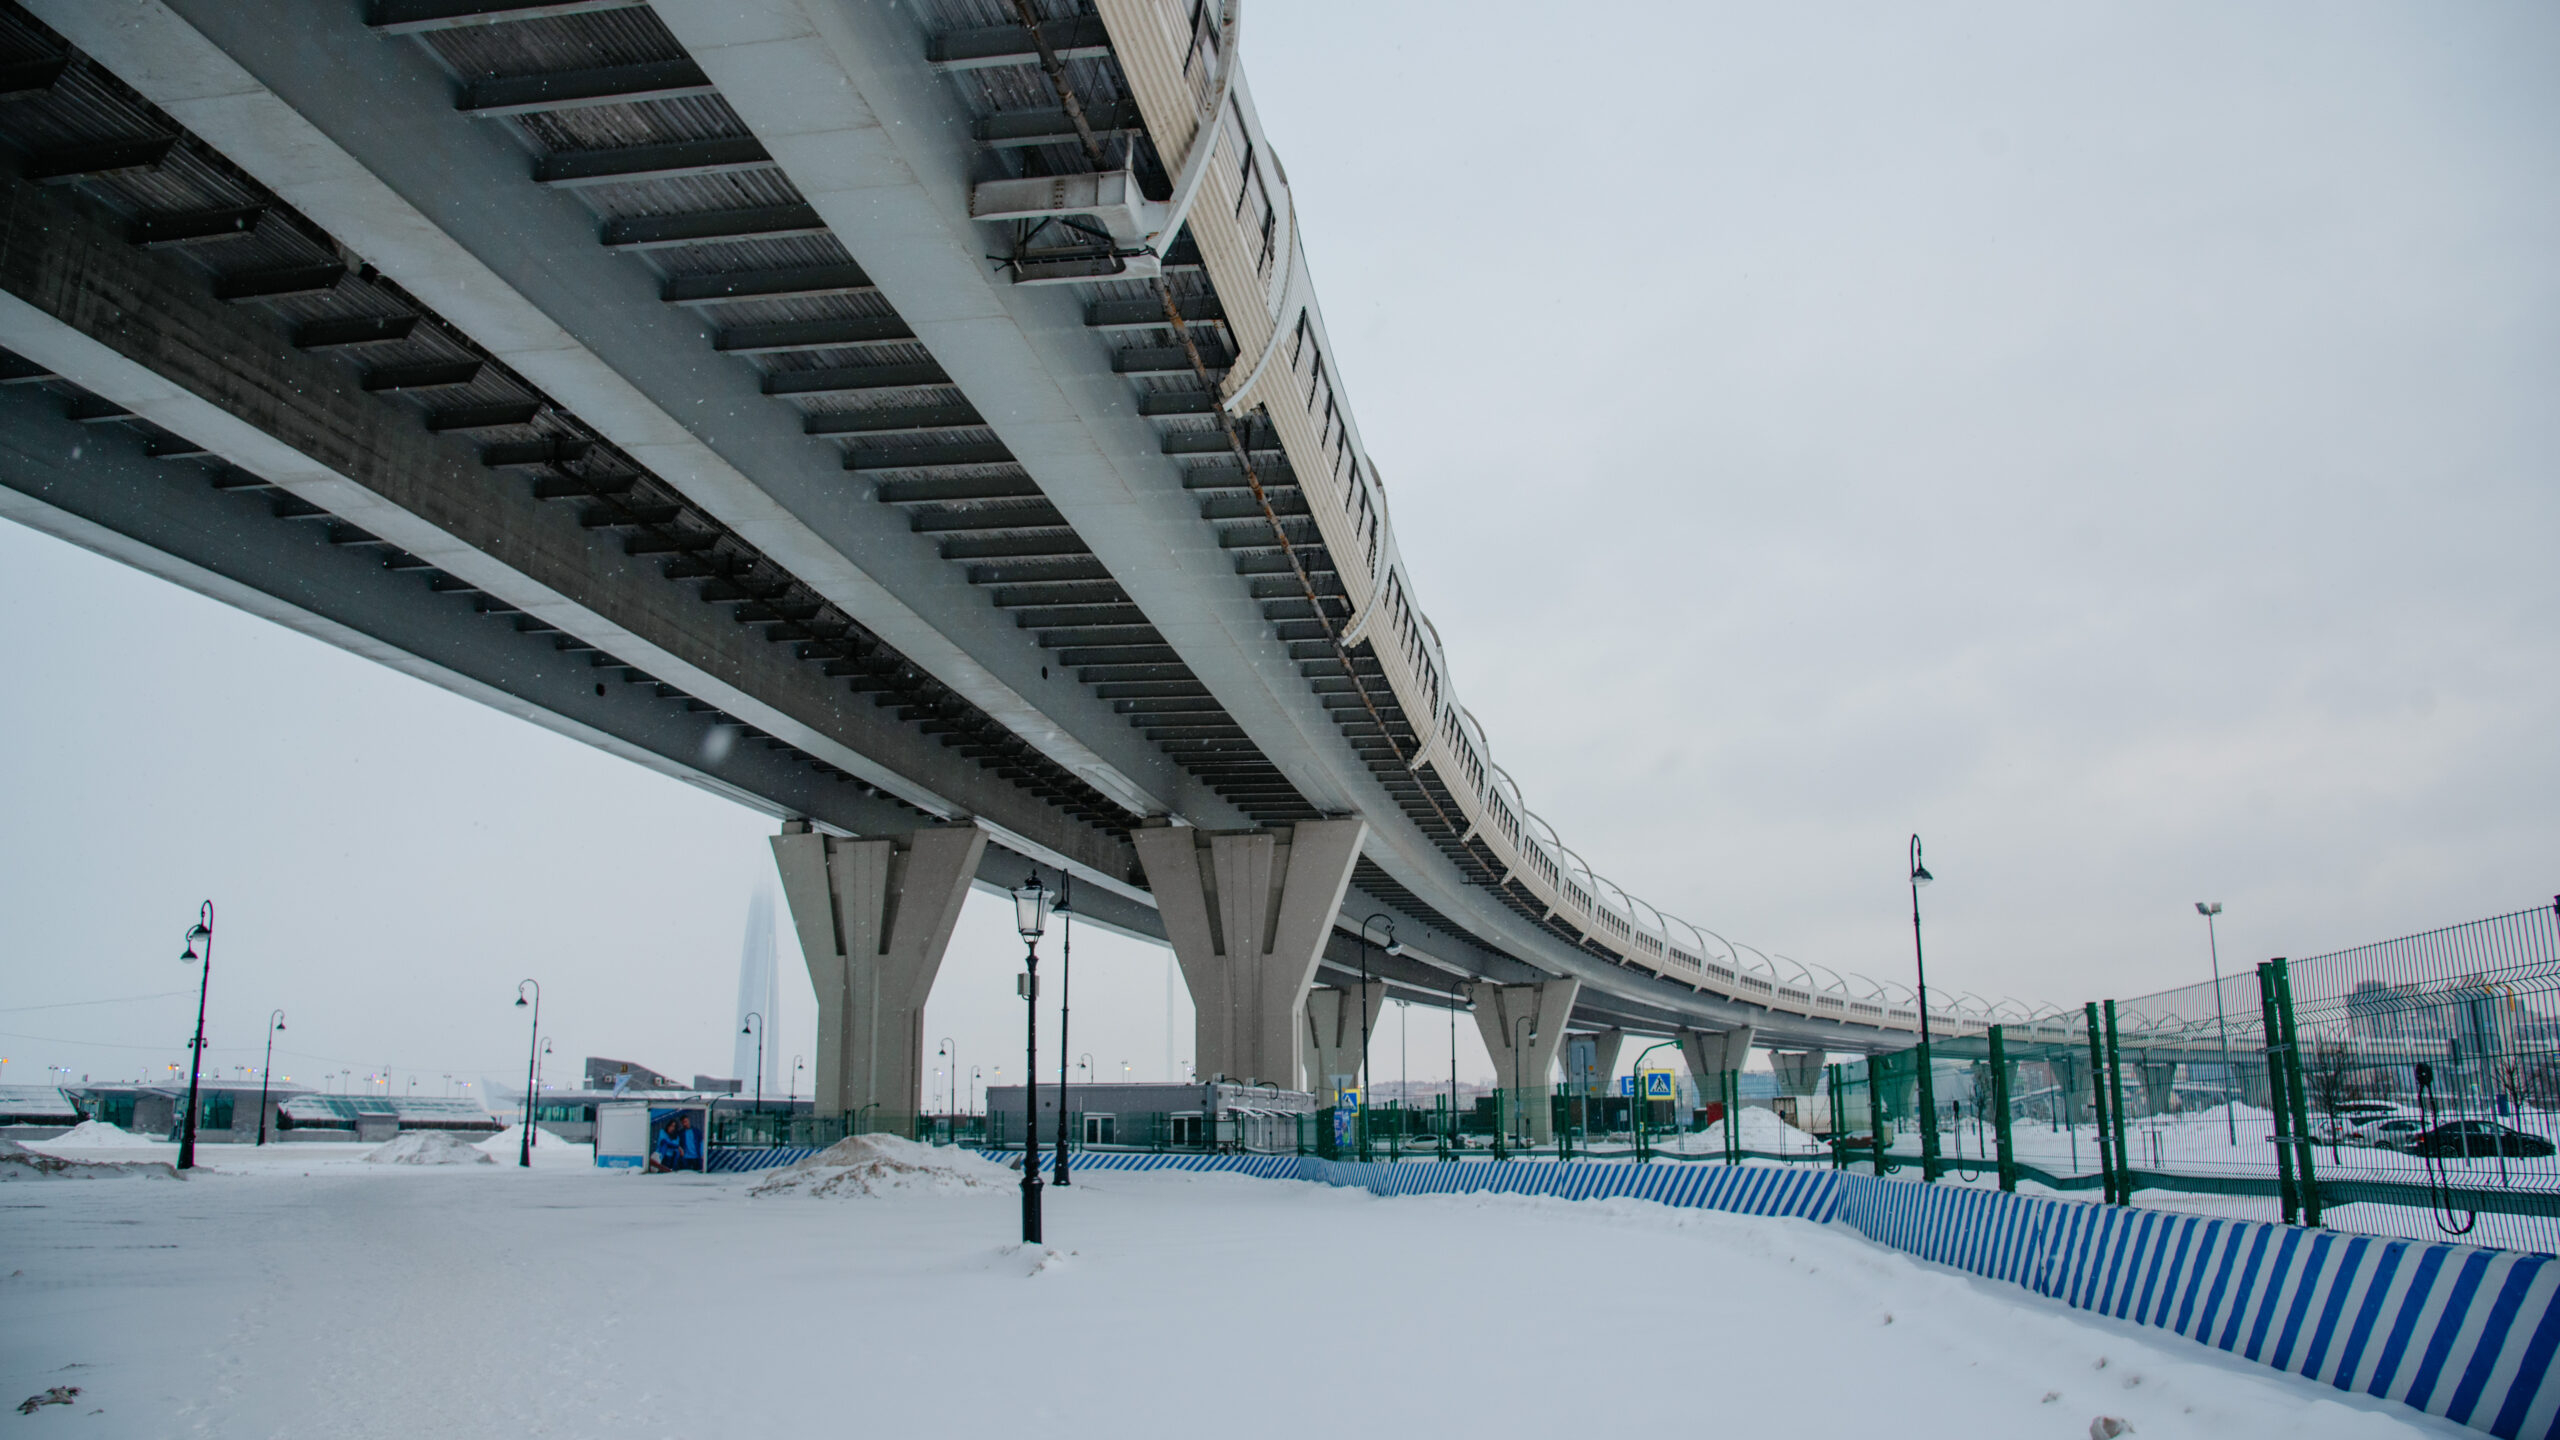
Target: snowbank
<point>97,1135</point>
<point>430,1147</point>
<point>17,1162</point>
<point>865,1165</point>
<point>1762,1131</point>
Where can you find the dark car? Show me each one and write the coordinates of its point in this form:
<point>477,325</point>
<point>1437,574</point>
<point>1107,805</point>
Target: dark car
<point>2477,1137</point>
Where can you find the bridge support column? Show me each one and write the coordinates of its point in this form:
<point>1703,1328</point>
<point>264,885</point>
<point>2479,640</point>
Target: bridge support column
<point>1333,1034</point>
<point>1591,1080</point>
<point>1247,914</point>
<point>1710,1053</point>
<point>874,917</point>
<point>1523,1029</point>
<point>1799,1071</point>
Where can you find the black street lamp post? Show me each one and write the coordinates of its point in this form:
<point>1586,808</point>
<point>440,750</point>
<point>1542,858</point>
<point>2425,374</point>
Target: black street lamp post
<point>1449,1149</point>
<point>754,1025</point>
<point>1928,1090</point>
<point>532,1056</point>
<point>275,1022</point>
<point>202,934</point>
<point>791,1094</point>
<point>1031,916</point>
<point>1066,981</point>
<point>951,1054</point>
<point>1387,922</point>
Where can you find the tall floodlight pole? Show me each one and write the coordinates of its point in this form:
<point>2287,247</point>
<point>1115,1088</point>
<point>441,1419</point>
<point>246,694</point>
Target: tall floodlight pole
<point>1066,983</point>
<point>275,1022</point>
<point>202,934</point>
<point>532,1054</point>
<point>753,1024</point>
<point>2230,1108</point>
<point>1030,916</point>
<point>1928,1086</point>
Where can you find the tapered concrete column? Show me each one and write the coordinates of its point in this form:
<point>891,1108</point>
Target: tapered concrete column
<point>1799,1071</point>
<point>1247,914</point>
<point>1605,1048</point>
<point>1523,1028</point>
<point>1333,1033</point>
<point>1712,1052</point>
<point>874,917</point>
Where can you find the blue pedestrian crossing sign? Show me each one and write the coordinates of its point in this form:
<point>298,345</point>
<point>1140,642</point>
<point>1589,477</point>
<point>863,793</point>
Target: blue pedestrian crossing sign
<point>1658,1085</point>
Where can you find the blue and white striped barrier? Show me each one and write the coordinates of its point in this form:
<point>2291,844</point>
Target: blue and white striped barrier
<point>2468,1334</point>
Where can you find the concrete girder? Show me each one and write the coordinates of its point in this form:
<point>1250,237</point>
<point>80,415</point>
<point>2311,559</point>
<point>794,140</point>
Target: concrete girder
<point>329,115</point>
<point>1247,915</point>
<point>874,917</point>
<point>141,332</point>
<point>1523,1029</point>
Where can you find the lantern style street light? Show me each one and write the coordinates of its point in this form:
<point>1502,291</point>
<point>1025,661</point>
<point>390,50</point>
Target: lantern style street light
<point>1386,922</point>
<point>532,1055</point>
<point>1928,1088</point>
<point>202,935</point>
<point>1031,902</point>
<point>754,1025</point>
<point>275,1022</point>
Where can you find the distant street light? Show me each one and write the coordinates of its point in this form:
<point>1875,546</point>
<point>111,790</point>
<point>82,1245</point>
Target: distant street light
<point>2230,1108</point>
<point>1030,917</point>
<point>202,934</point>
<point>754,1025</point>
<point>791,1095</point>
<point>977,1073</point>
<point>1928,1088</point>
<point>950,1051</point>
<point>1386,922</point>
<point>275,1022</point>
<point>532,1056</point>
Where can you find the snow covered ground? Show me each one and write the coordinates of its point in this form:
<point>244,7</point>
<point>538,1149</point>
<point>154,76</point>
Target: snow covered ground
<point>300,1291</point>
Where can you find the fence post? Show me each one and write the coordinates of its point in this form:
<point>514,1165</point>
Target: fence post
<point>2098,1102</point>
<point>2008,1155</point>
<point>2301,1122</point>
<point>2116,1110</point>
<point>2279,1105</point>
<point>1875,1116</point>
<point>1839,1119</point>
<point>1730,1082</point>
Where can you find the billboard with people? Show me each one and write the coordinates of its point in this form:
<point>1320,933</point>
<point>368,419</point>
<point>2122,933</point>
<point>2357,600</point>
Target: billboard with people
<point>678,1136</point>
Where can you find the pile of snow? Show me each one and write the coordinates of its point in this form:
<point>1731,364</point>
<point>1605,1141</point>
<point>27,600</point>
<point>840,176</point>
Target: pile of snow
<point>98,1135</point>
<point>885,1164</point>
<point>429,1147</point>
<point>17,1162</point>
<point>1762,1132</point>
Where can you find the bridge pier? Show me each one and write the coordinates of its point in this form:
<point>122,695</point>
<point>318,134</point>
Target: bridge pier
<point>1523,1028</point>
<point>1333,1034</point>
<point>1799,1071</point>
<point>1712,1052</point>
<point>874,917</point>
<point>1247,913</point>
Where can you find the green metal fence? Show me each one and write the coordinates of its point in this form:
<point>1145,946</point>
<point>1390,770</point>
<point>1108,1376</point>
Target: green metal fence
<point>2409,1088</point>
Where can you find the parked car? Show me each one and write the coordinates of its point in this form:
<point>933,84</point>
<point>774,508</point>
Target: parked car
<point>2478,1137</point>
<point>2394,1133</point>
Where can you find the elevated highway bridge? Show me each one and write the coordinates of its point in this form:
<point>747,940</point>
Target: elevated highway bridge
<point>912,421</point>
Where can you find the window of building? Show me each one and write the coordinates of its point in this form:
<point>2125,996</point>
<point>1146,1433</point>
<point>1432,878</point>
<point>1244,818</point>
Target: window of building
<point>1186,1131</point>
<point>1098,1129</point>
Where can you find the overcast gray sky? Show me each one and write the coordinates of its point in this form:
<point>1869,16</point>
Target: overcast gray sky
<point>2116,442</point>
